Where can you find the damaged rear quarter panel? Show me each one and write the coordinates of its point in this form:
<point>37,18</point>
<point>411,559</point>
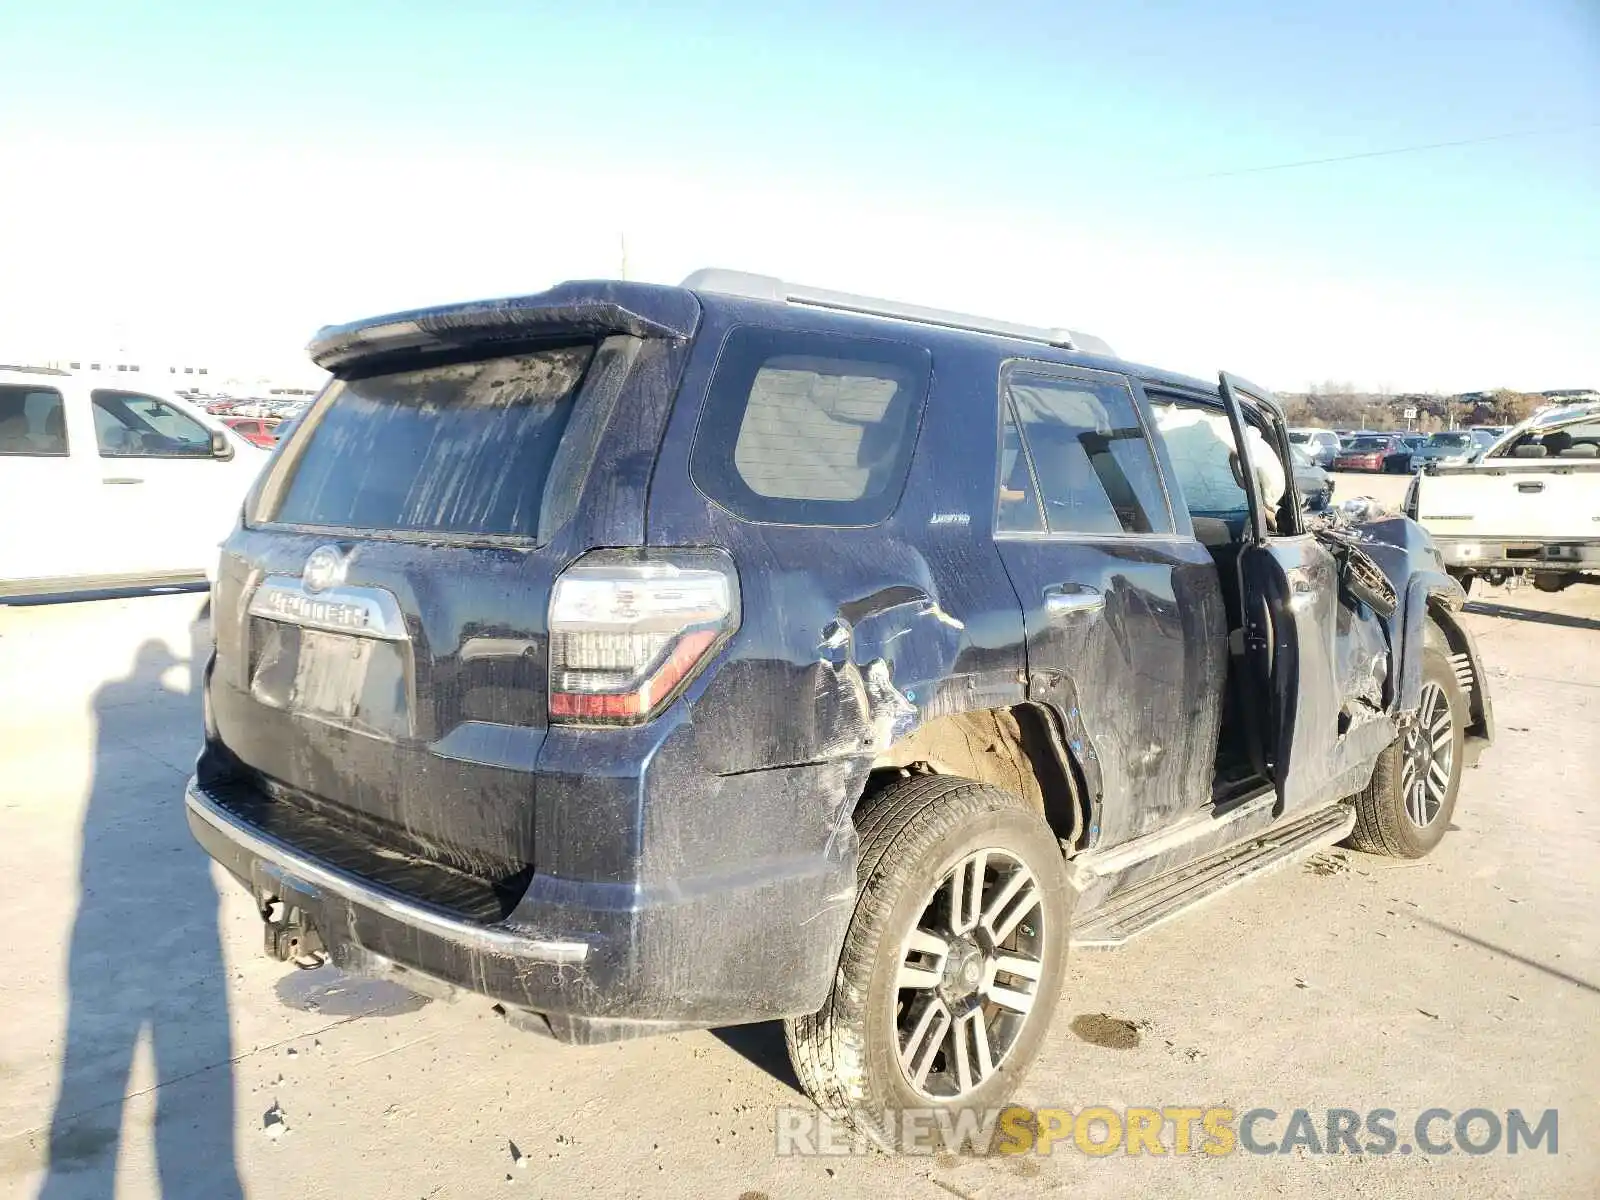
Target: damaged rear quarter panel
<point>852,637</point>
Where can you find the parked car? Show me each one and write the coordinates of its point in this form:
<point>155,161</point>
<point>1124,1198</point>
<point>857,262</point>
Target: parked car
<point>716,671</point>
<point>258,431</point>
<point>1313,483</point>
<point>1399,461</point>
<point>1367,452</point>
<point>111,486</point>
<point>1320,445</point>
<point>1449,448</point>
<point>1529,505</point>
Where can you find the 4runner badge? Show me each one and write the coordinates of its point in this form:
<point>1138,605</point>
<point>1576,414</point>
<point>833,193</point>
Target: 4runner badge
<point>324,569</point>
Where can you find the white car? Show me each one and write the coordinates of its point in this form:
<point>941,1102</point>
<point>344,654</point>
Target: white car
<point>1529,505</point>
<point>108,484</point>
<point>1321,446</point>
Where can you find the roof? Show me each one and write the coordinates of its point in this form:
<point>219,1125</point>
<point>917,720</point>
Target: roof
<point>42,372</point>
<point>613,306</point>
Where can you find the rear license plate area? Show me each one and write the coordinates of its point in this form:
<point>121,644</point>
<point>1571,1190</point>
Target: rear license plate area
<point>356,682</point>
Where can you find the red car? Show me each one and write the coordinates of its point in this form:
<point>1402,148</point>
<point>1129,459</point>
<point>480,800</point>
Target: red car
<point>1365,453</point>
<point>254,430</point>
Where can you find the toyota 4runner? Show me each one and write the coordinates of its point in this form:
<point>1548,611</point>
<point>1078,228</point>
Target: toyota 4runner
<point>647,658</point>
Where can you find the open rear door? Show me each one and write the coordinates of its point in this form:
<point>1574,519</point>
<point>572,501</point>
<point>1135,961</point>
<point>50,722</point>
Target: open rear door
<point>1289,593</point>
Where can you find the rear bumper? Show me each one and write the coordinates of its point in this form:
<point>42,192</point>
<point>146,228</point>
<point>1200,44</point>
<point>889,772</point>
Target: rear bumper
<point>597,961</point>
<point>1465,553</point>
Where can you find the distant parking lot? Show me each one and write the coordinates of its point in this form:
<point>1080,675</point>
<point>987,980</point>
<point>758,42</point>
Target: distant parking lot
<point>144,1026</point>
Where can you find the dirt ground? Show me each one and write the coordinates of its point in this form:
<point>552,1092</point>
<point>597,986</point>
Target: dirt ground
<point>148,1048</point>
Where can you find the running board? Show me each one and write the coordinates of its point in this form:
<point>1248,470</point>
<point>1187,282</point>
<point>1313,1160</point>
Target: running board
<point>1147,905</point>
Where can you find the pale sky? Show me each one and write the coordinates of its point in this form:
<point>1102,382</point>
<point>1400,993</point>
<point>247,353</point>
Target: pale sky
<point>209,185</point>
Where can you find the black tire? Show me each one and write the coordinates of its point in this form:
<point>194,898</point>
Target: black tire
<point>1385,821</point>
<point>914,833</point>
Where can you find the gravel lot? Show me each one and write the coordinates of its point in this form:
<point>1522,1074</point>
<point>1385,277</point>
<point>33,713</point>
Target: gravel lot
<point>190,1065</point>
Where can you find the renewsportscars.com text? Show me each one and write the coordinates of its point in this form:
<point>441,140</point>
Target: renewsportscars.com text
<point>1100,1130</point>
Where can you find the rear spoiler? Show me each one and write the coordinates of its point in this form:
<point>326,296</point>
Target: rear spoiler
<point>588,308</point>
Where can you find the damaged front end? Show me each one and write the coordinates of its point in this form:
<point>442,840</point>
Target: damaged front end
<point>1393,584</point>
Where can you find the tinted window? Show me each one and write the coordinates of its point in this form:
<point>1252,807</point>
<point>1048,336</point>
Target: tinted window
<point>33,422</point>
<point>1090,455</point>
<point>808,428</point>
<point>129,425</point>
<point>461,448</point>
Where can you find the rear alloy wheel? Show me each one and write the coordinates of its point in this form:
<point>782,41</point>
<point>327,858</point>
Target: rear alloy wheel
<point>968,974</point>
<point>1405,810</point>
<point>952,963</point>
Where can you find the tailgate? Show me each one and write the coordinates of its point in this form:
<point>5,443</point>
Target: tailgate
<point>382,643</point>
<point>1532,503</point>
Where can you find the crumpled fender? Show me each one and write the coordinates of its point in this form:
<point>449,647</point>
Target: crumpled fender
<point>1421,588</point>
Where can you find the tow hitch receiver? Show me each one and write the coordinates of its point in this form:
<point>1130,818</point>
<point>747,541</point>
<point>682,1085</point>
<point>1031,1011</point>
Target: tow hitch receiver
<point>288,934</point>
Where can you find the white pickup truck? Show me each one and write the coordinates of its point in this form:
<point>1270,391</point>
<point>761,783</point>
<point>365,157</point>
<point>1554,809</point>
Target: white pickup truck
<point>107,485</point>
<point>1530,504</point>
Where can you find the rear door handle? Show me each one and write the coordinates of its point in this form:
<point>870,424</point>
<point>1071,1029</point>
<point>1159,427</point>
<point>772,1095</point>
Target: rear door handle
<point>1059,602</point>
<point>120,479</point>
<point>1533,486</point>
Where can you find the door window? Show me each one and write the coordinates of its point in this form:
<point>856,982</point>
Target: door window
<point>33,422</point>
<point>1200,446</point>
<point>129,425</point>
<point>1201,449</point>
<point>1090,454</point>
<point>1019,510</point>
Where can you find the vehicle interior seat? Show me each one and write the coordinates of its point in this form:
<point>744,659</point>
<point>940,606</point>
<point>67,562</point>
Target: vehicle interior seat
<point>1217,537</point>
<point>13,424</point>
<point>55,430</point>
<point>1233,762</point>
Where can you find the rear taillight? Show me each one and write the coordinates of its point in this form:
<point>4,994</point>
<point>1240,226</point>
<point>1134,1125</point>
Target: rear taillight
<point>630,629</point>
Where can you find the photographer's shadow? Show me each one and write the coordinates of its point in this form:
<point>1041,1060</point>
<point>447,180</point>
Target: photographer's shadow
<point>146,960</point>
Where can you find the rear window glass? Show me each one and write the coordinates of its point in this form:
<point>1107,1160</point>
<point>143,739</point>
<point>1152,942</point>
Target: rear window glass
<point>809,428</point>
<point>463,448</point>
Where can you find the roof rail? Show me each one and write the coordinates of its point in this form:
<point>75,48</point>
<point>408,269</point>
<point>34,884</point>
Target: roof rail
<point>770,288</point>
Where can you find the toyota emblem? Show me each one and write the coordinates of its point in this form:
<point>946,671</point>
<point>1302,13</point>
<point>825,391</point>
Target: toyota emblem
<point>324,569</point>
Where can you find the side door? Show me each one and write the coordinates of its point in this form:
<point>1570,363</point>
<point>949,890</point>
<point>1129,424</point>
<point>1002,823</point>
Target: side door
<point>177,497</point>
<point>47,490</point>
<point>1122,613</point>
<point>1289,598</point>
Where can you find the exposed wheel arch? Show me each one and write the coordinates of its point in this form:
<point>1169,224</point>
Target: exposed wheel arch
<point>1018,748</point>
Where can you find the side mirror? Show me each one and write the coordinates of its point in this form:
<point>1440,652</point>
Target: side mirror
<point>220,446</point>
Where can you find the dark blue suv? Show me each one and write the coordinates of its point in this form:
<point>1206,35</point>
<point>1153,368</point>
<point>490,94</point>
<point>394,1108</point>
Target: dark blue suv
<point>647,658</point>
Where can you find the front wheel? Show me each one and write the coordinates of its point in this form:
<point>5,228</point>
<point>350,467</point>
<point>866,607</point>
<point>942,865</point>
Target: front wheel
<point>1406,808</point>
<point>952,963</point>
